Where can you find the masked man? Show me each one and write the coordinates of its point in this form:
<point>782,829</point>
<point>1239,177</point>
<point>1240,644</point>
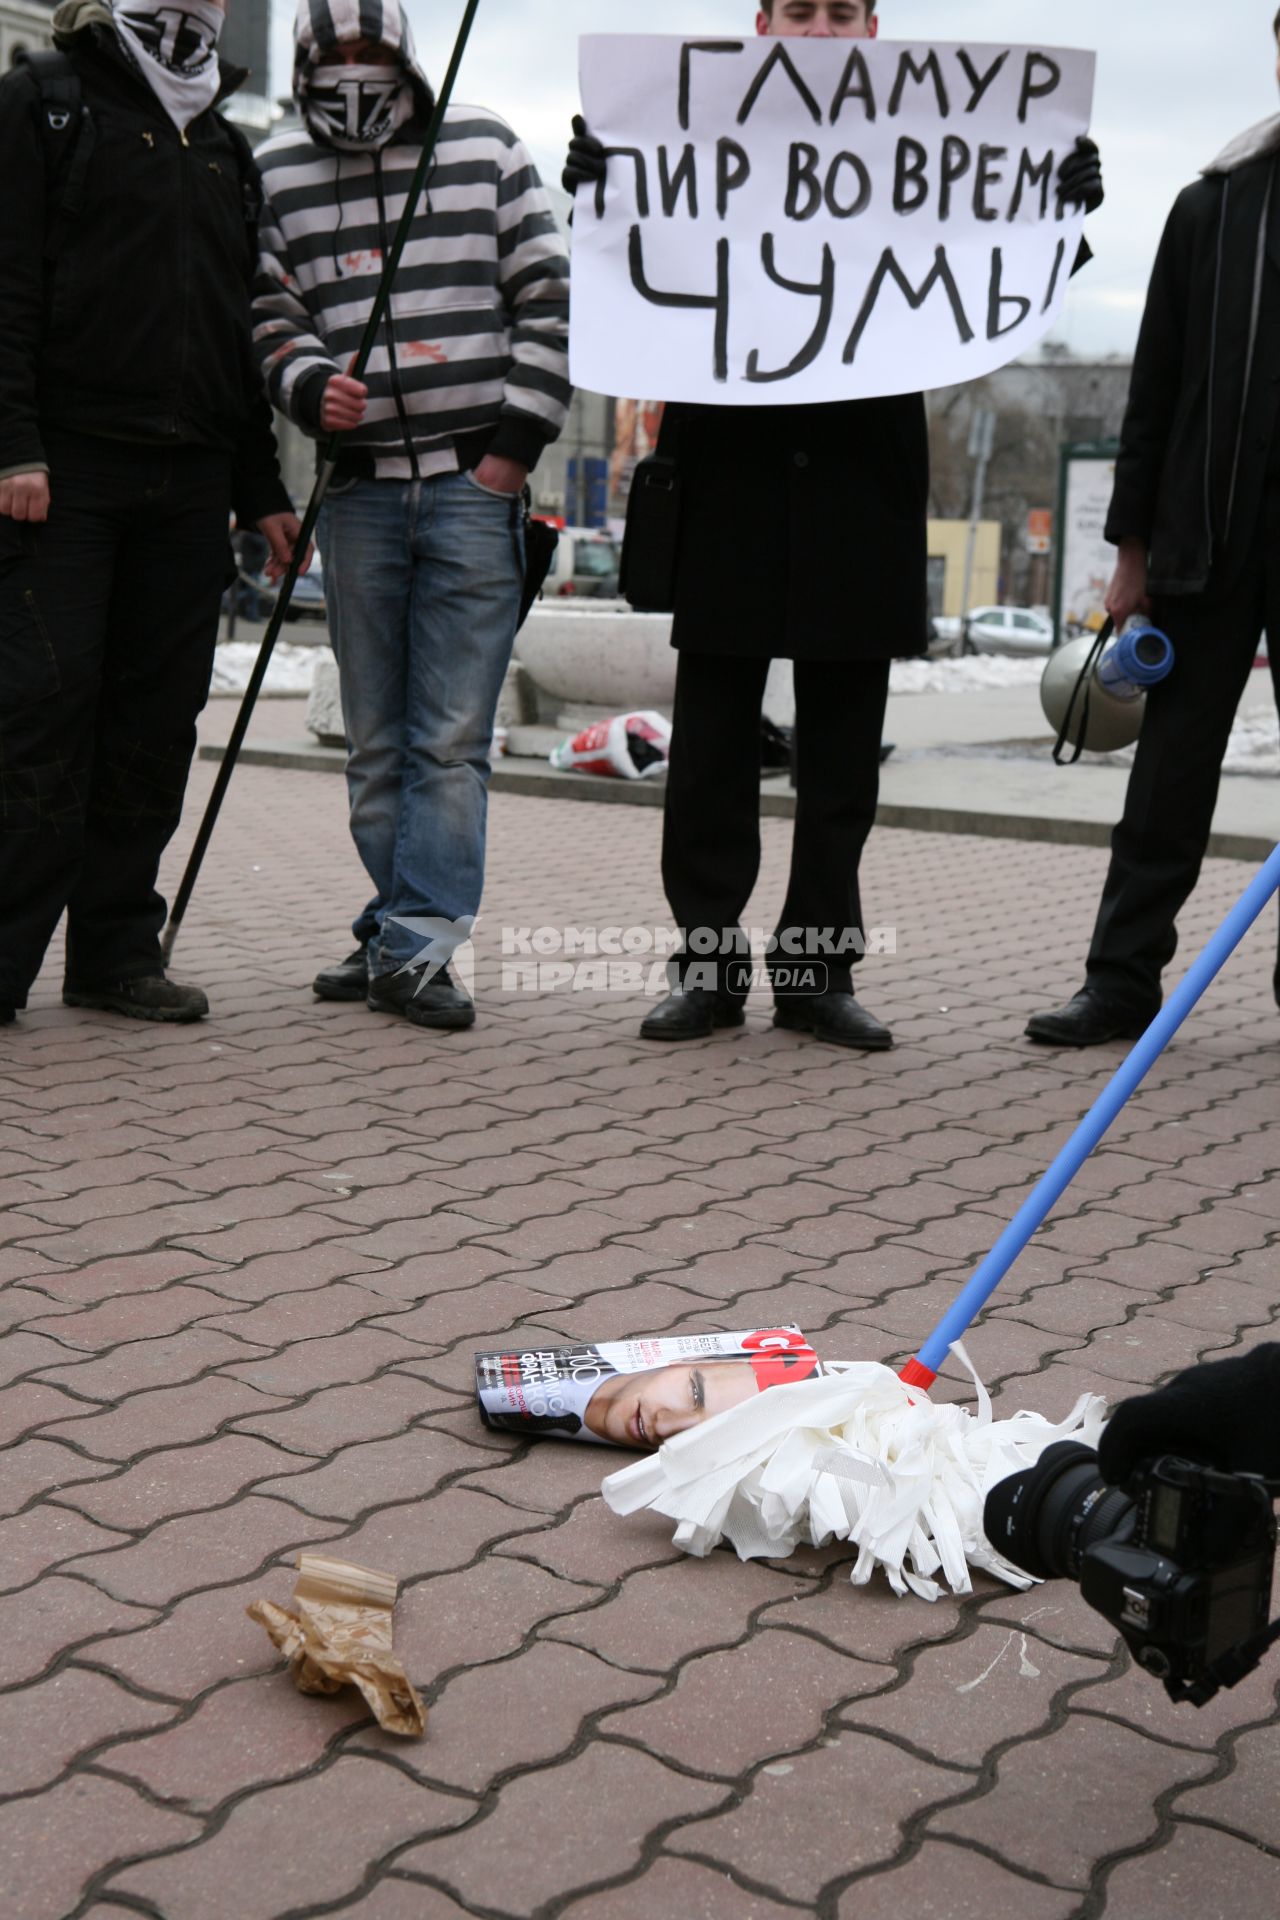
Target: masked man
<point>132,423</point>
<point>422,530</point>
<point>803,536</point>
<point>1196,516</point>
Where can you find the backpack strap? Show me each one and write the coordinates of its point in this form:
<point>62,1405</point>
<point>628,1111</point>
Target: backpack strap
<point>251,193</point>
<point>66,127</point>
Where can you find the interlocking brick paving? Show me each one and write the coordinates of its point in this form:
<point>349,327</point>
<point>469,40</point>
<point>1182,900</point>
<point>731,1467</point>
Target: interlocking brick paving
<point>243,1268</point>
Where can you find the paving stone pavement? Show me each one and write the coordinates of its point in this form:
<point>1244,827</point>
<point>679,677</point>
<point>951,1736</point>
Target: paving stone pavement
<point>243,1268</point>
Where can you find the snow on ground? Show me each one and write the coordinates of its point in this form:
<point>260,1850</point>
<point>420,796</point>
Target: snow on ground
<point>1254,746</point>
<point>290,670</point>
<point>975,673</point>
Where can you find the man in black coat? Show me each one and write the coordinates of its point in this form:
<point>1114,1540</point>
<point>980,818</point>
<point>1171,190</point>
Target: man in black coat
<point>803,536</point>
<point>1196,516</point>
<point>132,422</point>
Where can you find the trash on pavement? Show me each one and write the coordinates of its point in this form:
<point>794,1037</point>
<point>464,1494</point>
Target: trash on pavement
<point>340,1635</point>
<point>631,746</point>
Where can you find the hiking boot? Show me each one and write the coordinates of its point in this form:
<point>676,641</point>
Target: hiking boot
<point>440,1003</point>
<point>349,980</point>
<point>148,996</point>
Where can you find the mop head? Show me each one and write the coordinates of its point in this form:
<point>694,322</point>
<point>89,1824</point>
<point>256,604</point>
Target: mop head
<point>856,1456</point>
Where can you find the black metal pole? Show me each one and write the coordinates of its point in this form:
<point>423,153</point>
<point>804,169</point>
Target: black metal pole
<point>377,312</point>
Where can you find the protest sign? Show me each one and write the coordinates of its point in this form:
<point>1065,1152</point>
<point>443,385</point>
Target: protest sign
<point>807,220</point>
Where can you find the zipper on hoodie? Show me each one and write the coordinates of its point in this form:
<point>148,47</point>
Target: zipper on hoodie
<point>184,270</point>
<point>397,391</point>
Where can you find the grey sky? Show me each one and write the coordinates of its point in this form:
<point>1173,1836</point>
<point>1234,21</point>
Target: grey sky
<point>1175,83</point>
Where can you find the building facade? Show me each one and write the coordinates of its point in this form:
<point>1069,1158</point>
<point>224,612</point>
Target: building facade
<point>25,27</point>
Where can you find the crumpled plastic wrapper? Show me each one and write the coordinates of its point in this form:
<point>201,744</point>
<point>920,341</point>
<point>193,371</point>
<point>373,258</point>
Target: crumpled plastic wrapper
<point>340,1635</point>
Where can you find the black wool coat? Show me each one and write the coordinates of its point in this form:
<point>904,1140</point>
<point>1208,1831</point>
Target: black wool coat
<point>803,529</point>
<point>1200,427</point>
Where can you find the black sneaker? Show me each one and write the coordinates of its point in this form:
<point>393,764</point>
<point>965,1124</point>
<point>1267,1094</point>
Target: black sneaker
<point>349,980</point>
<point>148,997</point>
<point>440,1003</point>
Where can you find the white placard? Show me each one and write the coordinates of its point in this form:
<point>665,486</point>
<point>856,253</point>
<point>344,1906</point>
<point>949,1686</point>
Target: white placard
<point>812,220</point>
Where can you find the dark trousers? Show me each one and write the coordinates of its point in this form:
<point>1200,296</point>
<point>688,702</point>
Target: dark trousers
<point>108,621</point>
<point>1158,847</point>
<point>711,830</point>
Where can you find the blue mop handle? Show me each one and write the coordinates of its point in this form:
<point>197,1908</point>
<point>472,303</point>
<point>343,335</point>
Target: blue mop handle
<point>1050,1188</point>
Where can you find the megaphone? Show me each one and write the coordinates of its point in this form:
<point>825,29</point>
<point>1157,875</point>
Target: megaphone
<point>1093,690</point>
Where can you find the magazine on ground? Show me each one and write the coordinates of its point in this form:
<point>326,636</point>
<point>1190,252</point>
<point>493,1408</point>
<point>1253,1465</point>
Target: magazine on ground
<point>636,1393</point>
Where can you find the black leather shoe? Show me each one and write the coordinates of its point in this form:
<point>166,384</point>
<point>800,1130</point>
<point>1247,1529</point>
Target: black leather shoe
<point>440,1003</point>
<point>7,1016</point>
<point>692,1014</point>
<point>349,980</point>
<point>1091,1020</point>
<point>149,997</point>
<point>834,1017</point>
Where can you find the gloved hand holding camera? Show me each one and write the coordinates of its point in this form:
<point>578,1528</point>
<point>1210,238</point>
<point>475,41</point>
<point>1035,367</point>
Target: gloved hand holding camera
<point>1169,1527</point>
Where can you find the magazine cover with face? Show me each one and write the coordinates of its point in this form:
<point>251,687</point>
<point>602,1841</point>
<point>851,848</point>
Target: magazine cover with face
<point>636,1393</point>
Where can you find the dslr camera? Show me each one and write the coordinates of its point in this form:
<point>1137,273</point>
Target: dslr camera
<point>1180,1559</point>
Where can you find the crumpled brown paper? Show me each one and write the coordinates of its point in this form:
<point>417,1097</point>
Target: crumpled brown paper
<point>340,1636</point>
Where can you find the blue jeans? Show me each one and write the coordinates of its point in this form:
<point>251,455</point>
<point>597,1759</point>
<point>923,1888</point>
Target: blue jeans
<point>422,583</point>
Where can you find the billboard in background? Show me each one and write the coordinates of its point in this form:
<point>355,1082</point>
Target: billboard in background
<point>1086,561</point>
<point>635,433</point>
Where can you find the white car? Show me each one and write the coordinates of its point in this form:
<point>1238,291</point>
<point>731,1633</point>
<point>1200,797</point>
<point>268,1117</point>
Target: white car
<point>1007,630</point>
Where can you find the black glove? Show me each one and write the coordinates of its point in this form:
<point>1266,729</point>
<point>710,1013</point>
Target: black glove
<point>585,163</point>
<point>1080,177</point>
<point>1222,1414</point>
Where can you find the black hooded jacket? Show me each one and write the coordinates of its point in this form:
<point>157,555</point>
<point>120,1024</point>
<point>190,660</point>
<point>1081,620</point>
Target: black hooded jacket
<point>1200,430</point>
<point>130,320</point>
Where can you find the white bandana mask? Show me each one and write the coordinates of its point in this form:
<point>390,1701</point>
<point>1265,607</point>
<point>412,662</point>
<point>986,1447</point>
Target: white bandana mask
<point>358,108</point>
<point>175,49</point>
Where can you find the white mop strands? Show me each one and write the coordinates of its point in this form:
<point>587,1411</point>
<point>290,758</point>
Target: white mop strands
<point>855,1456</point>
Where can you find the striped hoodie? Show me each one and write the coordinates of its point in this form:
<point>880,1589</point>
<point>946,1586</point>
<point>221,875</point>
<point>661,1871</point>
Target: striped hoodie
<point>473,355</point>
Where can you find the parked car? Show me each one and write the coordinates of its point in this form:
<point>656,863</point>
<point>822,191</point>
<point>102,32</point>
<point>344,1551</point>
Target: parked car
<point>255,595</point>
<point>586,563</point>
<point>1015,630</point>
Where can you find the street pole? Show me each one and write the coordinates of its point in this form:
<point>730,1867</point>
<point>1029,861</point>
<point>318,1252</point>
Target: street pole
<point>982,439</point>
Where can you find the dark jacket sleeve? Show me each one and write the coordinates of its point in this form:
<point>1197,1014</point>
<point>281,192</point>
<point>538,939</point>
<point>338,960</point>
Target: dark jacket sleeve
<point>1155,384</point>
<point>256,487</point>
<point>22,220</point>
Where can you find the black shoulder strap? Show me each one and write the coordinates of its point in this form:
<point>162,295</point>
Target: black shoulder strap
<point>251,193</point>
<point>1084,681</point>
<point>66,125</point>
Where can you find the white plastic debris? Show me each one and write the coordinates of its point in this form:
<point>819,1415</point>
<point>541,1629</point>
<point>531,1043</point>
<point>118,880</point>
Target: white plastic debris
<point>854,1456</point>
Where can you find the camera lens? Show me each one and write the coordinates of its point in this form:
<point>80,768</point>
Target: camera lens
<point>1045,1518</point>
